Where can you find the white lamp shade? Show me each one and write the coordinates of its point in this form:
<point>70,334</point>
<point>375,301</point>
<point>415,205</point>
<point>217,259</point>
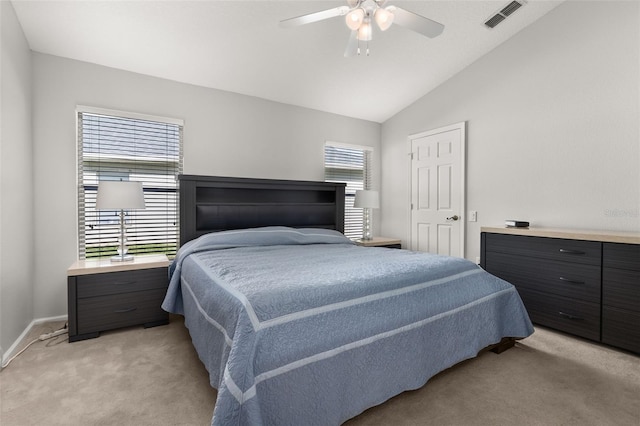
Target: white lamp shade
<point>367,199</point>
<point>384,18</point>
<point>120,195</point>
<point>364,31</point>
<point>354,18</point>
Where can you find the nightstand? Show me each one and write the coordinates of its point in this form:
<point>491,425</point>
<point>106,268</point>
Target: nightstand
<point>380,242</point>
<point>103,295</point>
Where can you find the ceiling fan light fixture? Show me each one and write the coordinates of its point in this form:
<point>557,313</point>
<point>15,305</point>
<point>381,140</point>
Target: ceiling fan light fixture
<point>384,18</point>
<point>364,32</point>
<point>355,18</point>
<point>358,16</point>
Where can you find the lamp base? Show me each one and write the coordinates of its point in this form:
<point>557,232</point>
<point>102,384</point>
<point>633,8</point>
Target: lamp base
<point>125,258</point>
<point>366,228</point>
<point>122,255</point>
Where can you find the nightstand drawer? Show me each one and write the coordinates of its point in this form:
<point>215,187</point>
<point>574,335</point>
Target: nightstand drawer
<point>120,310</point>
<point>559,278</point>
<point>571,316</point>
<point>584,252</point>
<point>121,282</point>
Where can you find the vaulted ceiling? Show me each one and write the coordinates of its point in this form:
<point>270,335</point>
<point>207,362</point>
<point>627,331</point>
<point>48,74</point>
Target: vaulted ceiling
<point>238,46</point>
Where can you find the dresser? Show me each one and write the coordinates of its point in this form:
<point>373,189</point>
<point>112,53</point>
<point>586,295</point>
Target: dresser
<point>580,282</point>
<point>104,295</point>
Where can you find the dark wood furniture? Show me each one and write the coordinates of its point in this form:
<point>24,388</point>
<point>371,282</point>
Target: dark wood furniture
<point>380,242</point>
<point>103,295</point>
<point>212,204</point>
<point>582,283</point>
<point>621,295</point>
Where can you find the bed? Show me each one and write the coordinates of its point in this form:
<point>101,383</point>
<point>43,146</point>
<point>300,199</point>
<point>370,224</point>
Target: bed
<point>298,325</point>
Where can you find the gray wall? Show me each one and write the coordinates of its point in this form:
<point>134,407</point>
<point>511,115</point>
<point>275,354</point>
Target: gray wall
<point>225,134</point>
<point>553,126</point>
<point>16,183</point>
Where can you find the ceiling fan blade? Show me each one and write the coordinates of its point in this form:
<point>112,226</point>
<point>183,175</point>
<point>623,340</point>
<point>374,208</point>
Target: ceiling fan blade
<point>314,17</point>
<point>415,22</point>
<point>352,45</point>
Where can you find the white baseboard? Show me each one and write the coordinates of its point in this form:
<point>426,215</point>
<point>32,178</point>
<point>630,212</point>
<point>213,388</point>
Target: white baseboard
<point>7,355</point>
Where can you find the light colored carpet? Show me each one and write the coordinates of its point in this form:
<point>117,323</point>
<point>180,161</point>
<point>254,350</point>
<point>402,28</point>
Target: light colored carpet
<point>139,376</point>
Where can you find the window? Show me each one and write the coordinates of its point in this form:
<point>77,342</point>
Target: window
<point>131,147</point>
<point>352,165</point>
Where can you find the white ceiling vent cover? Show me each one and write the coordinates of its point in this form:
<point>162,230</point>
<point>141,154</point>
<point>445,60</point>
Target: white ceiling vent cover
<point>506,11</point>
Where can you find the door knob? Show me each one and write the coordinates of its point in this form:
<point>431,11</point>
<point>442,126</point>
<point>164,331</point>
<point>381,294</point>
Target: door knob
<point>454,217</point>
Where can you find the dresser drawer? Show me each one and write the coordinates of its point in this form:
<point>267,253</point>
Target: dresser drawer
<point>621,256</point>
<point>577,281</point>
<point>621,328</point>
<point>121,282</point>
<point>120,310</point>
<point>571,316</point>
<point>621,289</point>
<point>576,251</point>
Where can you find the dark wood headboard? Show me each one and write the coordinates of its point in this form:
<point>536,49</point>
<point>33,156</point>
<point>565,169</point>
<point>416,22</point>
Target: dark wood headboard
<point>212,204</point>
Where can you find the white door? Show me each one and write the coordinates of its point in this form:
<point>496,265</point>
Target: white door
<point>438,190</point>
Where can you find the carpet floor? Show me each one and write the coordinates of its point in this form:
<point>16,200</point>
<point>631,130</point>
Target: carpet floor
<point>138,376</point>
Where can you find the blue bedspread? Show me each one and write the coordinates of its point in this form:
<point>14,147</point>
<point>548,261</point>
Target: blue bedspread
<point>303,327</point>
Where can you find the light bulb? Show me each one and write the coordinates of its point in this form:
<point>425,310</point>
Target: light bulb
<point>364,32</point>
<point>384,18</point>
<point>354,18</point>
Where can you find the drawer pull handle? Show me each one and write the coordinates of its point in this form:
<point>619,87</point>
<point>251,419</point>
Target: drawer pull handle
<point>124,283</point>
<point>125,310</point>
<point>570,281</point>
<point>567,251</point>
<point>569,316</point>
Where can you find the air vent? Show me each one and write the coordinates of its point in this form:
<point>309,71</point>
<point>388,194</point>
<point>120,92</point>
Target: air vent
<point>506,11</point>
<point>510,8</point>
<point>495,20</point>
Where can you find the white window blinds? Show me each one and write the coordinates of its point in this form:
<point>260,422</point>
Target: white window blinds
<point>129,148</point>
<point>351,165</point>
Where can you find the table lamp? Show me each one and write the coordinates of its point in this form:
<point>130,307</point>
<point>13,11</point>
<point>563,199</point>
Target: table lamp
<point>367,200</point>
<point>120,195</point>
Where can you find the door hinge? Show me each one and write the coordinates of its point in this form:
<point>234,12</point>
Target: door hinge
<point>411,155</point>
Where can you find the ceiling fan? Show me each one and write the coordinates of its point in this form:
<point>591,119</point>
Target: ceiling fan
<point>359,15</point>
